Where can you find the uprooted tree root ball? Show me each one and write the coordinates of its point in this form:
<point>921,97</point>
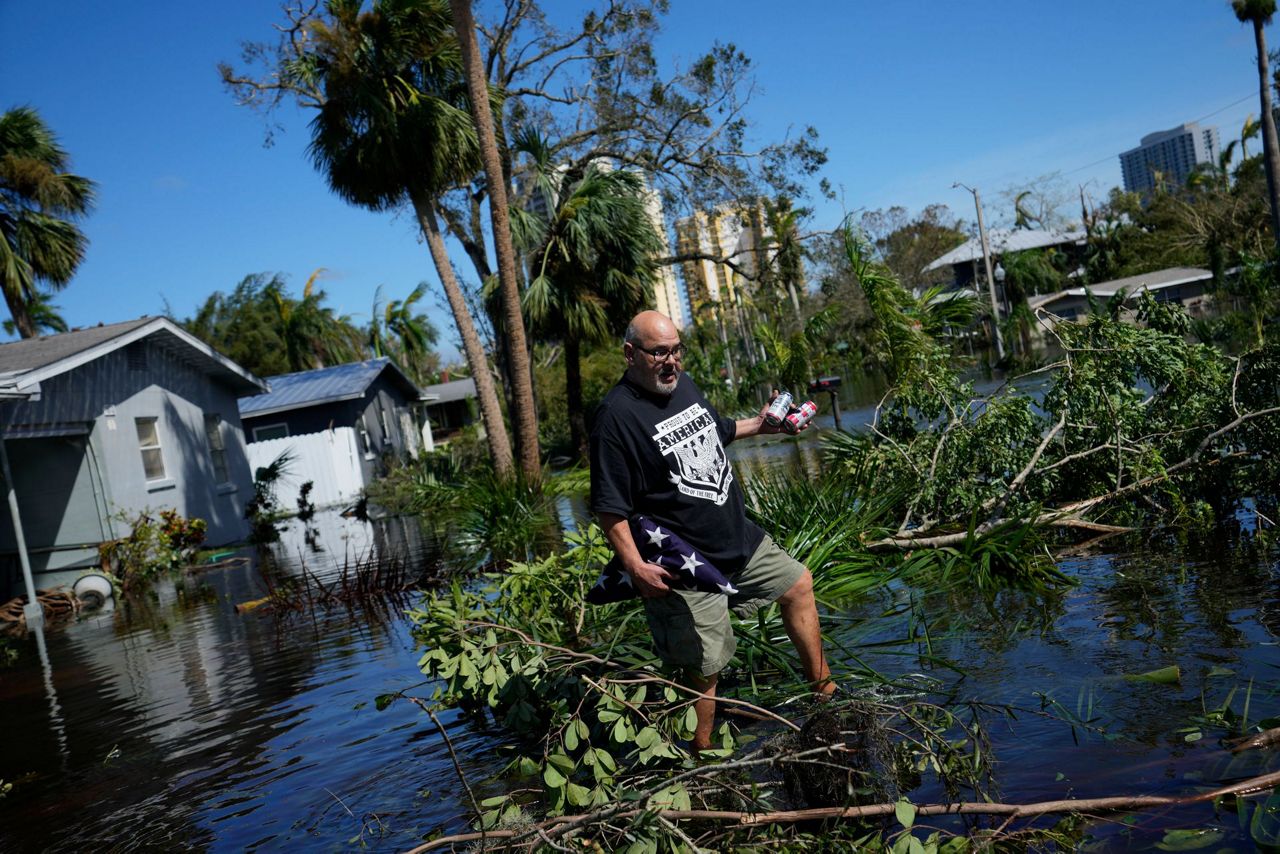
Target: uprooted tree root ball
<point>859,769</point>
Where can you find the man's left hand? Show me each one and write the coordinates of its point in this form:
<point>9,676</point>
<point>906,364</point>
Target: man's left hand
<point>765,427</point>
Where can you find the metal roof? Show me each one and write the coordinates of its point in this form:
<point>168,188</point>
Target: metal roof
<point>324,385</point>
<point>1004,240</point>
<point>455,390</point>
<point>1153,281</point>
<point>26,362</point>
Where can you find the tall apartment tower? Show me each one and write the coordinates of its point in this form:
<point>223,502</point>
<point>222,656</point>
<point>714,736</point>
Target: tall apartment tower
<point>666,290</point>
<point>1172,153</point>
<point>724,233</point>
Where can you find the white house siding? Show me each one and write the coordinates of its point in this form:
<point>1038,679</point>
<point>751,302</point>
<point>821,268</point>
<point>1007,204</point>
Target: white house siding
<point>330,459</point>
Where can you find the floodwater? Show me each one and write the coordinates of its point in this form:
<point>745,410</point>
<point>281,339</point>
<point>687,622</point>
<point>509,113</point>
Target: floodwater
<point>181,723</point>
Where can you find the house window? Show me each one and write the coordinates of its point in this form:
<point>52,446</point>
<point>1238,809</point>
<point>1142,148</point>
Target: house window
<point>149,444</point>
<point>366,444</point>
<point>217,447</point>
<point>383,422</point>
<point>270,431</point>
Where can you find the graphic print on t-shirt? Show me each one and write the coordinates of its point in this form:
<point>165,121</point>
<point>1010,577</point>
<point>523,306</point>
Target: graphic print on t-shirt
<point>702,467</point>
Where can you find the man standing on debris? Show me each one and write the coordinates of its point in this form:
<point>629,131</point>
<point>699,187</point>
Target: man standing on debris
<point>657,449</point>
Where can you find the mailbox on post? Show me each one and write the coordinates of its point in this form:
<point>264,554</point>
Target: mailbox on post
<point>829,385</point>
<point>824,384</point>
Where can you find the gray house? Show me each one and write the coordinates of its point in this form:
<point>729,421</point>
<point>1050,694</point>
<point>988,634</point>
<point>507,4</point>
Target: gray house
<point>103,423</point>
<point>338,424</point>
<point>450,406</point>
<point>1188,286</point>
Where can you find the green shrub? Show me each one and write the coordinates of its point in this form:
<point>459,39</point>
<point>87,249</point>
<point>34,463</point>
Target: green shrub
<point>153,546</point>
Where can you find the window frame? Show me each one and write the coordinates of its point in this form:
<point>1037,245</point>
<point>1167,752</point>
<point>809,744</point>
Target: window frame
<point>362,430</point>
<point>217,449</point>
<point>280,424</point>
<point>158,447</point>
<point>384,422</point>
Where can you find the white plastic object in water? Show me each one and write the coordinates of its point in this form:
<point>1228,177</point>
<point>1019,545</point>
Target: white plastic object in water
<point>94,590</point>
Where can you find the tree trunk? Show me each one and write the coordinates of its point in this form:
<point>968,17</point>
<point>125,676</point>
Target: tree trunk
<point>795,305</point>
<point>490,411</point>
<point>525,414</point>
<point>1270,145</point>
<point>573,396</point>
<point>20,313</point>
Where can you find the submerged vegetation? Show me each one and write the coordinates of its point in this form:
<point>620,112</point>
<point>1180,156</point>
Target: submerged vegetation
<point>152,546</point>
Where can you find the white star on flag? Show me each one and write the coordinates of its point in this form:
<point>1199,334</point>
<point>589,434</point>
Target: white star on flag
<point>691,563</point>
<point>626,578</point>
<point>656,537</point>
<point>727,588</point>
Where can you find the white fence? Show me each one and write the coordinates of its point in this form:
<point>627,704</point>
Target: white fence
<point>329,459</point>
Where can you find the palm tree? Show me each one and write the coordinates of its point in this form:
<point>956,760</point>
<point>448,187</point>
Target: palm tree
<point>310,332</point>
<point>591,262</point>
<point>784,253</point>
<point>905,328</point>
<point>413,333</point>
<point>393,126</point>
<point>1259,13</point>
<point>44,316</point>
<point>39,203</point>
<point>525,416</point>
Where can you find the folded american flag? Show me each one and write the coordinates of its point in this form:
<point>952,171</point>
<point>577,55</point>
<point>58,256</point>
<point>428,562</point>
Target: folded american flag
<point>665,548</point>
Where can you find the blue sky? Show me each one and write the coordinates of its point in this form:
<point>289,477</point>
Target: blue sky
<point>908,98</point>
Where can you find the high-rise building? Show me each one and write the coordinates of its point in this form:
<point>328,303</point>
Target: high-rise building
<point>666,289</point>
<point>1171,153</point>
<point>727,233</point>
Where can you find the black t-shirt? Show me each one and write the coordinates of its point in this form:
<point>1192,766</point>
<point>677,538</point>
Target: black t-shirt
<point>663,456</point>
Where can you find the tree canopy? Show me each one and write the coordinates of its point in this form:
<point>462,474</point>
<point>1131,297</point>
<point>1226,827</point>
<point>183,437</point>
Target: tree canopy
<point>41,203</point>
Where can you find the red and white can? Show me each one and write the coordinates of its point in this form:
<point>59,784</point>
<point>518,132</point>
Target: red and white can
<point>795,422</point>
<point>778,409</point>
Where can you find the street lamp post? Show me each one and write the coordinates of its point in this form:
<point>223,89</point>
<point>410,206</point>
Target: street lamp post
<point>991,285</point>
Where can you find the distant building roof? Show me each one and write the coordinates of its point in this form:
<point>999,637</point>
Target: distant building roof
<point>1131,285</point>
<point>324,385</point>
<point>1004,240</point>
<point>455,390</point>
<point>26,362</point>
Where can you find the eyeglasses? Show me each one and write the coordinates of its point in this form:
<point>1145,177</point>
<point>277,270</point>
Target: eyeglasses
<point>662,354</point>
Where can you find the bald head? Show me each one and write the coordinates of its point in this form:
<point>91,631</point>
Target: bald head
<point>653,352</point>
<point>649,326</point>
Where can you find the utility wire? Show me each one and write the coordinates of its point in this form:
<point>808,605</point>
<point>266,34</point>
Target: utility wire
<point>1202,118</point>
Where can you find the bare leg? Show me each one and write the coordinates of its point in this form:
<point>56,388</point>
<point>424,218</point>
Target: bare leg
<point>800,617</point>
<point>705,708</point>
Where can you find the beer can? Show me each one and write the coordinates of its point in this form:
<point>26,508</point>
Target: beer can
<point>778,409</point>
<point>795,422</point>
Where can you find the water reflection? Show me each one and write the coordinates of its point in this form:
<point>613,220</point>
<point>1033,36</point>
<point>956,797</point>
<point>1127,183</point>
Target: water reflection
<point>187,724</point>
<point>182,723</point>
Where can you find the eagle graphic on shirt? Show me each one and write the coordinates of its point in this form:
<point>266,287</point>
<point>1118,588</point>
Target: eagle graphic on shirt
<point>690,440</point>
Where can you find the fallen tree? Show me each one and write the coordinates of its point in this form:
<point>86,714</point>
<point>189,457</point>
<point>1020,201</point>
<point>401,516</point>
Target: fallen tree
<point>1132,428</point>
<point>560,826</point>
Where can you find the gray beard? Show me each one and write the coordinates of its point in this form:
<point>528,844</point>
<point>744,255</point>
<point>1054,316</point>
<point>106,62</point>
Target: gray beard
<point>649,382</point>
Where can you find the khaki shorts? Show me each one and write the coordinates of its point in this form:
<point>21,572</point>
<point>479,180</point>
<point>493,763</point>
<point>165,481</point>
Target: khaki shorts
<point>691,629</point>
